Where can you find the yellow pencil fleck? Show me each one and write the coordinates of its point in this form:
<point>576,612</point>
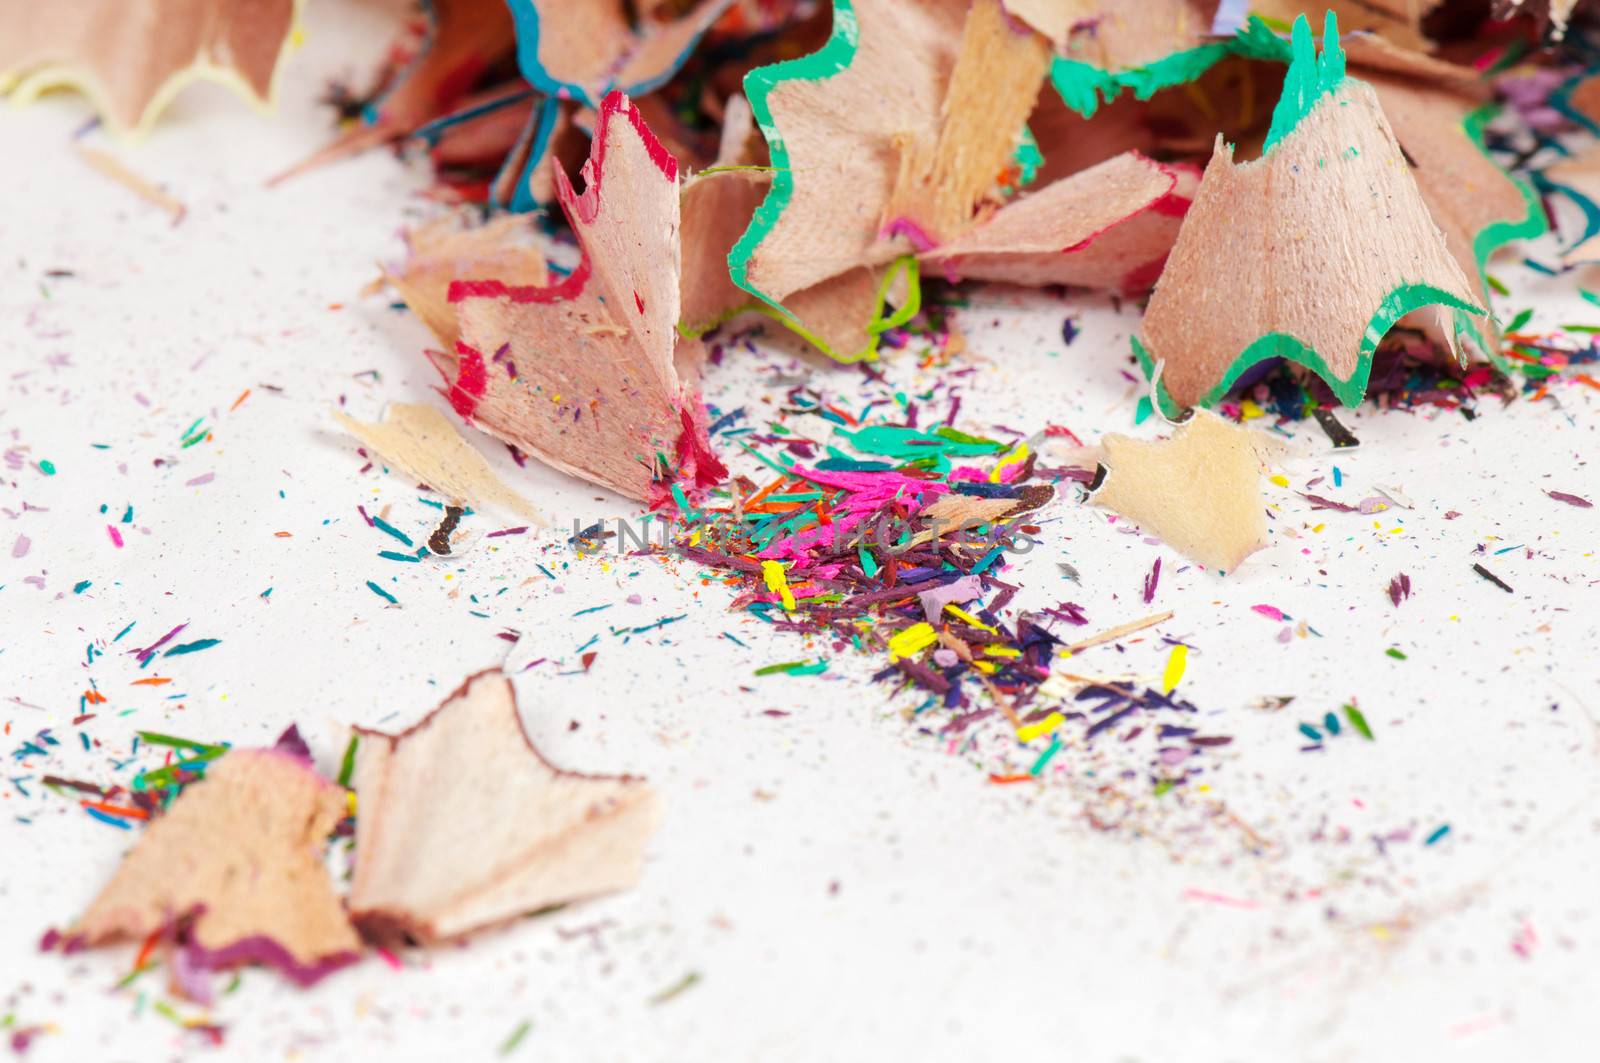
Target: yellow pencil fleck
<point>778,582</point>
<point>1015,457</point>
<point>913,640</point>
<point>1177,661</point>
<point>966,617</point>
<point>1028,732</point>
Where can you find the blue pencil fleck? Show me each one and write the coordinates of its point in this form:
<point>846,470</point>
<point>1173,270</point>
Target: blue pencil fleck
<point>103,818</point>
<point>384,526</point>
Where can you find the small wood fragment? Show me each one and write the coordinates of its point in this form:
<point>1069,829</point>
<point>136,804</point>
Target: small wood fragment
<point>239,853</point>
<point>423,442</point>
<point>1200,490</point>
<point>1120,631</point>
<point>146,190</point>
<point>464,824</point>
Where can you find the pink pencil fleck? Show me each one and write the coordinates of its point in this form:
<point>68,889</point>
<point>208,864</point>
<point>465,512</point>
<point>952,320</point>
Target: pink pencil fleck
<point>116,536</point>
<point>1192,894</point>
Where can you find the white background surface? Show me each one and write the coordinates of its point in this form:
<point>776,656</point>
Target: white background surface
<point>843,884</point>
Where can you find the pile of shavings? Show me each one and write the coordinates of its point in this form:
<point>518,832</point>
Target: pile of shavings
<point>1543,360</point>
<point>1298,204</point>
<point>815,196</point>
<point>836,157</point>
<point>137,798</point>
<point>227,867</point>
<point>1408,375</point>
<point>892,540</point>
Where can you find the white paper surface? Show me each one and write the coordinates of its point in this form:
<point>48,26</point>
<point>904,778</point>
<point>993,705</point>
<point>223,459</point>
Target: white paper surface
<point>842,885</point>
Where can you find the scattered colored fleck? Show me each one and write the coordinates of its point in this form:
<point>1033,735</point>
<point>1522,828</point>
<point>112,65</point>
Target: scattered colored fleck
<point>686,982</point>
<point>1358,721</point>
<point>511,1043</point>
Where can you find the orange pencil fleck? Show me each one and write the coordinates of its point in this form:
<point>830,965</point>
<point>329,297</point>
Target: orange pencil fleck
<point>153,681</point>
<point>1006,779</point>
<point>146,949</point>
<point>116,810</point>
<point>763,493</point>
<point>245,394</point>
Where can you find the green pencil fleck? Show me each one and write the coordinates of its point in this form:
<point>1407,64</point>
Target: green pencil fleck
<point>1045,757</point>
<point>156,738</point>
<point>347,766</point>
<point>1359,722</point>
<point>815,667</point>
<point>516,1037</point>
<point>47,467</point>
<point>128,978</point>
<point>686,982</point>
<point>869,564</point>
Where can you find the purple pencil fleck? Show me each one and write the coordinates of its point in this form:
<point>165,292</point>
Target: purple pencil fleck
<point>1319,502</point>
<point>150,650</point>
<point>1070,612</point>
